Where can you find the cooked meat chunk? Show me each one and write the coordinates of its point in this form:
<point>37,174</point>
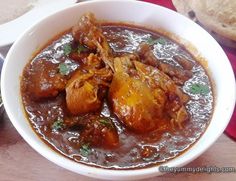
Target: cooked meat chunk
<point>140,96</point>
<point>178,74</point>
<point>134,103</point>
<point>99,131</point>
<point>88,32</point>
<point>86,88</point>
<point>175,97</point>
<point>82,94</point>
<point>44,80</point>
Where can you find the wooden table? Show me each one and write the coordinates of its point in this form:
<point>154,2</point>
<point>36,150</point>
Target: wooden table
<point>18,161</point>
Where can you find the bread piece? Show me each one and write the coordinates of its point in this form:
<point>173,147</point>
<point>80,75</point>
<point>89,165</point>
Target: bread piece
<point>216,16</point>
<point>182,6</point>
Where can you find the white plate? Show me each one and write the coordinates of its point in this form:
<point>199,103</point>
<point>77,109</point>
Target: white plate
<point>11,30</point>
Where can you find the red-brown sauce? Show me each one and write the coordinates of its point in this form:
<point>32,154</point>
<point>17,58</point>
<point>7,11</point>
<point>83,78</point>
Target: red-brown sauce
<point>135,150</point>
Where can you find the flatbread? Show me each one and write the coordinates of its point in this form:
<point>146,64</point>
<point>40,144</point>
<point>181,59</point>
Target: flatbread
<point>217,16</point>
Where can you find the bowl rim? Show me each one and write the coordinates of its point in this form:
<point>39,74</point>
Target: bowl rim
<point>90,170</point>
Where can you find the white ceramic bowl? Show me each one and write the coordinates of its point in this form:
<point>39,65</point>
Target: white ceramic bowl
<point>132,11</point>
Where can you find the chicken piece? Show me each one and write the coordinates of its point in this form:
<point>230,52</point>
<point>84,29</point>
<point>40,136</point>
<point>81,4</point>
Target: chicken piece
<point>82,95</point>
<point>99,132</point>
<point>87,87</point>
<point>142,95</point>
<point>178,74</point>
<point>88,32</point>
<point>44,81</point>
<point>134,103</point>
<point>176,98</point>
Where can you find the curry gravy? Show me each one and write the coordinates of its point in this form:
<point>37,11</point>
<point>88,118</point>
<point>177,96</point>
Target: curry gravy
<point>135,150</point>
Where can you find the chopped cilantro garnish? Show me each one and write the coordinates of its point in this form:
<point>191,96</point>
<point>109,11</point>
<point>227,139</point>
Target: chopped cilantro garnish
<point>199,89</point>
<point>64,69</point>
<point>67,67</point>
<point>151,41</point>
<point>67,49</point>
<point>160,40</point>
<point>85,150</point>
<point>58,124</point>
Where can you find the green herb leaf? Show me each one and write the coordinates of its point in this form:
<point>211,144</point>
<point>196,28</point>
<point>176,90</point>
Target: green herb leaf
<point>64,69</point>
<point>160,40</point>
<point>151,41</point>
<point>67,49</point>
<point>81,48</point>
<point>58,124</point>
<point>199,89</point>
<point>106,123</point>
<point>67,67</point>
<point>85,150</point>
